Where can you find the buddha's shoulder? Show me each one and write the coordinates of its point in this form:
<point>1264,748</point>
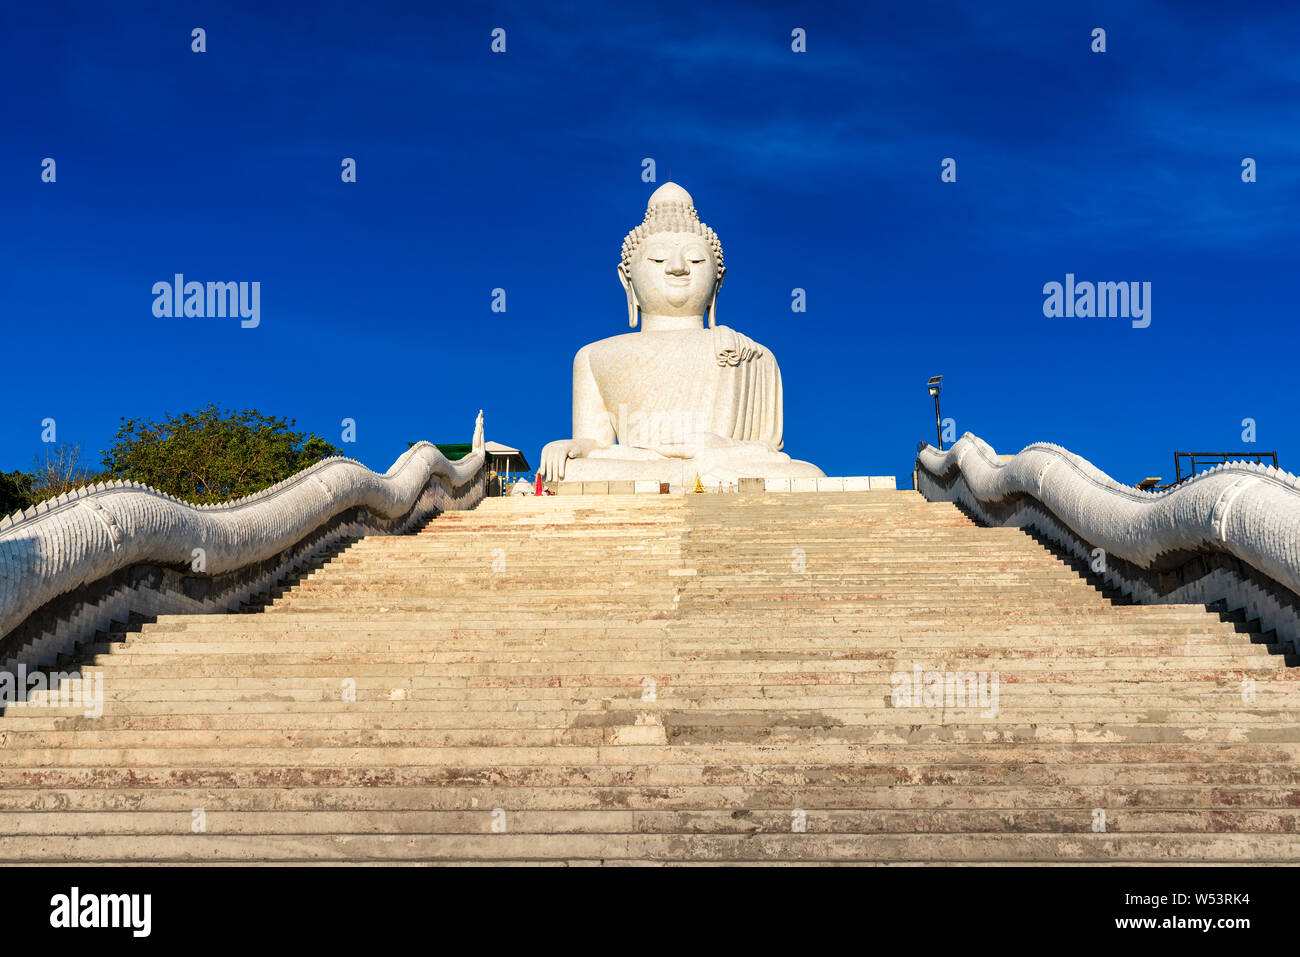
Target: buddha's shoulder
<point>729,331</point>
<point>613,342</point>
<point>630,343</point>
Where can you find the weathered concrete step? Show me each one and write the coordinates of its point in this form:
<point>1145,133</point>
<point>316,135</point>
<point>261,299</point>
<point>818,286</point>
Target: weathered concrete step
<point>785,611</point>
<point>755,580</point>
<point>1101,612</point>
<point>857,755</point>
<point>846,633</point>
<point>264,654</point>
<point>626,730</point>
<point>363,820</point>
<point>905,593</point>
<point>123,674</point>
<point>759,539</point>
<point>734,848</point>
<point>1163,798</point>
<point>517,697</point>
<point>723,562</point>
<point>127,672</point>
<point>1226,686</point>
<point>1082,642</point>
<point>1132,774</point>
<point>383,702</point>
<point>856,546</point>
<point>1085,606</point>
<point>22,721</point>
<point>671,638</point>
<point>692,586</point>
<point>513,693</point>
<point>867,551</point>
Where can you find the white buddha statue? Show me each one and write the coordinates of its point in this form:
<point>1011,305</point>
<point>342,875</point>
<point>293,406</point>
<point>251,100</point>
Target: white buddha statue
<point>679,397</point>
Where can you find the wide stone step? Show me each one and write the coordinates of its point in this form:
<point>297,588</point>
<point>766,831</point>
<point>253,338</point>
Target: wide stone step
<point>789,608</point>
<point>269,654</point>
<point>370,693</point>
<point>732,848</point>
<point>378,703</point>
<point>1138,773</point>
<point>627,821</point>
<point>856,756</point>
<point>728,799</point>
<point>23,721</point>
<point>626,730</point>
<point>954,590</point>
<point>723,629</point>
<point>124,673</point>
<point>867,678</point>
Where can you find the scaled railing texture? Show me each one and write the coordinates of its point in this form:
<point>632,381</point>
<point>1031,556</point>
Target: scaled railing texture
<point>1231,534</point>
<point>71,565</point>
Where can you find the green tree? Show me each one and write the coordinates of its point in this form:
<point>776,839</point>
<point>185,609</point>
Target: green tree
<point>212,456</point>
<point>15,492</point>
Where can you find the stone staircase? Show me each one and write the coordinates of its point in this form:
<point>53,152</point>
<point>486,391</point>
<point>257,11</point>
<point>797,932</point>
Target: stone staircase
<point>659,679</point>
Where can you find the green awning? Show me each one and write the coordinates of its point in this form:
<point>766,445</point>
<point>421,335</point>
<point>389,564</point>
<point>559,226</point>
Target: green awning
<point>454,451</point>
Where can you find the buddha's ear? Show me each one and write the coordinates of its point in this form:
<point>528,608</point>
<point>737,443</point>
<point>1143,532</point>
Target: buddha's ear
<point>713,305</point>
<point>632,305</point>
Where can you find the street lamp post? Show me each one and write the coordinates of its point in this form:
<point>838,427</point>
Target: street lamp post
<point>933,386</point>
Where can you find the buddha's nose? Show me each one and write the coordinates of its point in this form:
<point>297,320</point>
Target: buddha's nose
<point>677,263</point>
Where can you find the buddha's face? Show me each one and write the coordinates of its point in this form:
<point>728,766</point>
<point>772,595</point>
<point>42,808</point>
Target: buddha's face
<point>674,274</point>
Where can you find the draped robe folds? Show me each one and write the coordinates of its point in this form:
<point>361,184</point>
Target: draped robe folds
<point>678,386</point>
<point>748,404</point>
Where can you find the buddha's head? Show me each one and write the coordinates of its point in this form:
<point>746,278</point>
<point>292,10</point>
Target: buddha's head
<point>672,262</point>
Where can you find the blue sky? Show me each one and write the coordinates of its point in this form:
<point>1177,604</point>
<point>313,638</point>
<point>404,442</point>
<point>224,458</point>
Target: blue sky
<point>522,170</point>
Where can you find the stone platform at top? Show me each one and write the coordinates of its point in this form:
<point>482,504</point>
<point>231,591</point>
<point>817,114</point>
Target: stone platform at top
<point>682,396</point>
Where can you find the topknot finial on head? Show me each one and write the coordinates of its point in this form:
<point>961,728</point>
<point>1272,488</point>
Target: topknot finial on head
<point>670,194</point>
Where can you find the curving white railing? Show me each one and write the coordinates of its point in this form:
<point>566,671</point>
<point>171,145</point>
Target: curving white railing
<point>1169,544</point>
<point>62,562</point>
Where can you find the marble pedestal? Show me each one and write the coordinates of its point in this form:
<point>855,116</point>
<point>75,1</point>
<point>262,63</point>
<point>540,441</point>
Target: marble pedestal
<point>620,463</point>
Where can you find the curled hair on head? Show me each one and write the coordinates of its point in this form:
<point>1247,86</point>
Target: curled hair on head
<point>669,217</point>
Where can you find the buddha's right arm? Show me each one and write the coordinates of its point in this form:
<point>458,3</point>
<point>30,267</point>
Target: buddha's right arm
<point>593,425</point>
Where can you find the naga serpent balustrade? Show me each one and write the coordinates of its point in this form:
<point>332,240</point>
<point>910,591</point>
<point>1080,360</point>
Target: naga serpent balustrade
<point>71,565</point>
<point>1230,534</point>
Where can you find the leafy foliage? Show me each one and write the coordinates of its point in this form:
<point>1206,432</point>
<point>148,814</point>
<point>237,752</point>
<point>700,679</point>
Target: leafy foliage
<point>212,456</point>
<point>15,492</point>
